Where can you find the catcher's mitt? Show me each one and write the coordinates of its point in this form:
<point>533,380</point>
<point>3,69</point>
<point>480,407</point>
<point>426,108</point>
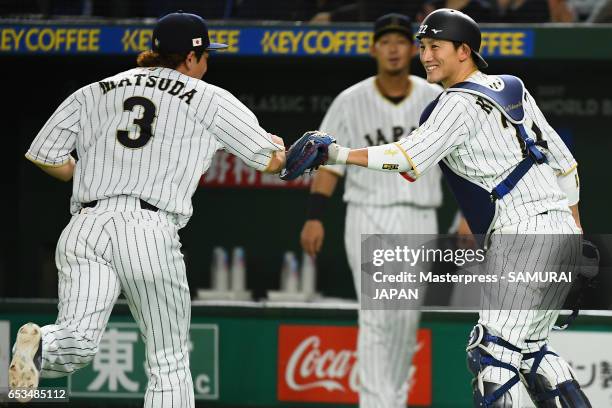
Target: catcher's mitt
<point>307,153</point>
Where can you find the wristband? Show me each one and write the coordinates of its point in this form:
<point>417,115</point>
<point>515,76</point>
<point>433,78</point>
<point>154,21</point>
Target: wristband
<point>337,154</point>
<point>317,203</point>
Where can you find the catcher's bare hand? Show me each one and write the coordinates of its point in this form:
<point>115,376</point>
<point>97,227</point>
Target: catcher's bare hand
<point>465,238</point>
<point>312,237</point>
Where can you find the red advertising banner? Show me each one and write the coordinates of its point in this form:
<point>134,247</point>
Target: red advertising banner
<point>226,170</point>
<point>319,364</point>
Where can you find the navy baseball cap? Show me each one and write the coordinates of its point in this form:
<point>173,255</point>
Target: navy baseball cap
<point>181,33</point>
<point>393,22</point>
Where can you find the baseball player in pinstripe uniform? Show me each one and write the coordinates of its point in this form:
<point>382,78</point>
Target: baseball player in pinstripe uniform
<point>513,177</point>
<point>143,138</point>
<point>379,110</point>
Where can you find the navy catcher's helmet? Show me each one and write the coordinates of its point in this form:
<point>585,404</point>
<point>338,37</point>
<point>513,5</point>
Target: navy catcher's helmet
<point>453,25</point>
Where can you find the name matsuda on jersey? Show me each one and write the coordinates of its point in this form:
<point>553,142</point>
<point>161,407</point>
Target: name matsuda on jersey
<point>172,86</point>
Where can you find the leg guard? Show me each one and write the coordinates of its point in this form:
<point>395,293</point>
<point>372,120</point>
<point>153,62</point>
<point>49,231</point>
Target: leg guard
<point>542,391</point>
<point>571,395</point>
<point>489,394</point>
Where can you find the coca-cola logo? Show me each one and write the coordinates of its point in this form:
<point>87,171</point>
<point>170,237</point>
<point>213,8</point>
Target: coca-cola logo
<point>319,364</point>
<point>310,367</point>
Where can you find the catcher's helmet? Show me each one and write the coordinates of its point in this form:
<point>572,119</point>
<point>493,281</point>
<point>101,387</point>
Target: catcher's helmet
<point>453,25</point>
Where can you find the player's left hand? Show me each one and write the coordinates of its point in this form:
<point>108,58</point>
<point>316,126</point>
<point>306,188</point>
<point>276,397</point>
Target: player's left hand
<point>307,153</point>
<point>312,237</point>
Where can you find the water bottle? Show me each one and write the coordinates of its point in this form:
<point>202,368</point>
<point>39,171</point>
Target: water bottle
<point>308,273</point>
<point>289,273</point>
<point>238,270</point>
<point>219,270</point>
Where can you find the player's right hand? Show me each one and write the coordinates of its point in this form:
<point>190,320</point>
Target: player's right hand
<point>277,140</point>
<point>279,157</point>
<point>312,236</point>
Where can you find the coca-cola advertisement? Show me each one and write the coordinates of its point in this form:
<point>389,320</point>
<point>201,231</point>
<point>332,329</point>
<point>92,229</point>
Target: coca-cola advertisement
<point>319,364</point>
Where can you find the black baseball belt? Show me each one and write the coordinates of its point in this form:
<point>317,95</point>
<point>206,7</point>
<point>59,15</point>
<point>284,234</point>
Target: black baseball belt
<point>143,205</point>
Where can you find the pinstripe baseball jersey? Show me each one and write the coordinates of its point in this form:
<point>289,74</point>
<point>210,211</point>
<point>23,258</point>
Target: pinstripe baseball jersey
<point>477,143</point>
<point>362,116</point>
<point>148,133</point>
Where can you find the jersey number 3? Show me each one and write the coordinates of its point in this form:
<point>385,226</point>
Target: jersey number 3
<point>144,123</point>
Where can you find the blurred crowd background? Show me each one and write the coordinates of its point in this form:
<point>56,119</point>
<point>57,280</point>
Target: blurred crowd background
<point>319,11</point>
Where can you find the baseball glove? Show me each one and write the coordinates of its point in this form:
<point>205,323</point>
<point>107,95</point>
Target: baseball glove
<point>307,153</point>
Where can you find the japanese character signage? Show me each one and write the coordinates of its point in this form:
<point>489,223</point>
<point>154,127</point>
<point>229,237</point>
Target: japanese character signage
<point>590,356</point>
<point>119,369</point>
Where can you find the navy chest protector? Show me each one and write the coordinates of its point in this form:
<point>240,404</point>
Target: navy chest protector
<point>479,206</point>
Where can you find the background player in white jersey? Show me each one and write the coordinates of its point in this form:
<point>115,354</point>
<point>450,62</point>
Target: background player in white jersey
<point>143,139</point>
<point>379,110</point>
<point>510,178</point>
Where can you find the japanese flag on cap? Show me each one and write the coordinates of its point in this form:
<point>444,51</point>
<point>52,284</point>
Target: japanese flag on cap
<point>182,32</point>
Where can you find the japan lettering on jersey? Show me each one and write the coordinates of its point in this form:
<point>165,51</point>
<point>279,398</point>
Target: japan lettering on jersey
<point>361,116</point>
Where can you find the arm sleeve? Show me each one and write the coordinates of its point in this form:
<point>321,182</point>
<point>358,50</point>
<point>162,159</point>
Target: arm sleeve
<point>334,123</point>
<point>559,156</point>
<point>57,138</point>
<point>238,131</point>
<point>448,126</point>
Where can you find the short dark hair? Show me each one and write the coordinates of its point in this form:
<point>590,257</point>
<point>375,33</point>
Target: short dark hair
<point>392,22</point>
<point>151,58</point>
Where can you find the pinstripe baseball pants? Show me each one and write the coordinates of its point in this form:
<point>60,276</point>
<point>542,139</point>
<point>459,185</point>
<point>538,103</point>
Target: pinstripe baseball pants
<point>546,242</point>
<point>114,248</point>
<point>387,338</point>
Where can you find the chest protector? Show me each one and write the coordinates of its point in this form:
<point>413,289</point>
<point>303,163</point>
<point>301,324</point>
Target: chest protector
<point>478,205</point>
